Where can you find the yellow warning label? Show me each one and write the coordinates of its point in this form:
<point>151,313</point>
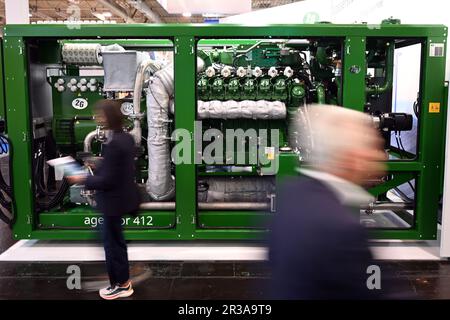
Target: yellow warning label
<point>270,153</point>
<point>434,107</point>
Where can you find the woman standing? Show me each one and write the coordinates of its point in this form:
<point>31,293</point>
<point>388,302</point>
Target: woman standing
<point>116,195</point>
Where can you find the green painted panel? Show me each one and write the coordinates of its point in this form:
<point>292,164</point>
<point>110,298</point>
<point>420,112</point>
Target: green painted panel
<point>127,43</point>
<point>185,173</point>
<point>2,85</point>
<point>233,219</point>
<point>222,31</point>
<point>354,73</point>
<point>18,114</point>
<point>430,139</point>
<point>89,220</point>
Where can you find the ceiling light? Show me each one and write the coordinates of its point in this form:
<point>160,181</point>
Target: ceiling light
<point>99,16</point>
<point>107,14</point>
<point>187,14</point>
<point>211,15</point>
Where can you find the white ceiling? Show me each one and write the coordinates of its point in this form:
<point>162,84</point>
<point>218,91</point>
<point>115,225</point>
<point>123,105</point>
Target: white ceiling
<point>224,7</point>
<point>140,11</point>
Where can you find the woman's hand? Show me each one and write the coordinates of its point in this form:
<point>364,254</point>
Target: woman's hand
<point>90,164</point>
<point>76,179</point>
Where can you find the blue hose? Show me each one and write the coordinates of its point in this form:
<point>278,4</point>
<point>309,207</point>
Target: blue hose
<point>4,145</point>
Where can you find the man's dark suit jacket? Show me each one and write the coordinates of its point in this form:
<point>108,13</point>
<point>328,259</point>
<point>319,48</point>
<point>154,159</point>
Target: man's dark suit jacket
<point>117,193</point>
<point>318,250</point>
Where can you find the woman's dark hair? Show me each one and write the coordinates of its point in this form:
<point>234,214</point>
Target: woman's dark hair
<point>112,112</point>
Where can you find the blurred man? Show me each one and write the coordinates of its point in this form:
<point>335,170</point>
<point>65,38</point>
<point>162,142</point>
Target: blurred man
<point>318,250</point>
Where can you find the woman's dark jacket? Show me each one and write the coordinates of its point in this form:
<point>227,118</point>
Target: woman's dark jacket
<point>117,193</point>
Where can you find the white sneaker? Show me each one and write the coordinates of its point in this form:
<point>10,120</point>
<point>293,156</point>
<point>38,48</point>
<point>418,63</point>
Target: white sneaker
<point>105,291</point>
<point>111,293</point>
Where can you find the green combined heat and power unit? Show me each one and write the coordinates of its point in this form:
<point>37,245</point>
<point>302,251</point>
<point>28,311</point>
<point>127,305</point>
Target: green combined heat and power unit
<point>212,110</point>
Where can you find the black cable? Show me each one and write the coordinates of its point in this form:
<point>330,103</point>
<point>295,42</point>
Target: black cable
<point>41,172</point>
<point>5,203</point>
<point>4,218</point>
<point>416,106</point>
<point>36,167</point>
<point>305,78</point>
<point>40,178</point>
<point>398,139</point>
<point>4,186</point>
<point>57,199</point>
<point>304,58</point>
<point>398,143</point>
<point>400,146</point>
<point>401,141</point>
<point>38,170</point>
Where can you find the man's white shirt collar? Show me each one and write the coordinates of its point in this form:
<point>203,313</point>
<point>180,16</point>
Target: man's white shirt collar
<point>348,193</point>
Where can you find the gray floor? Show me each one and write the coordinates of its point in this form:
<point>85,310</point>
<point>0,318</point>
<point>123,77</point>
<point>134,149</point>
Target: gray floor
<point>200,280</point>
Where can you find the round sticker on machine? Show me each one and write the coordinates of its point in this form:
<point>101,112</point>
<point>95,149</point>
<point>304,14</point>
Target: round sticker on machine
<point>79,103</point>
<point>127,108</point>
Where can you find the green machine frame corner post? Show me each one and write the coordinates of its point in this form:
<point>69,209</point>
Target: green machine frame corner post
<point>184,222</point>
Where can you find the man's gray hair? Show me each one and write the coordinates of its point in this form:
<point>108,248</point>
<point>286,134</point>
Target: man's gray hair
<point>323,131</point>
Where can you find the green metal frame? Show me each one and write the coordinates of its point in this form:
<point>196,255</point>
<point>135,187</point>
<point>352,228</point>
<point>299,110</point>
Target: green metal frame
<point>2,86</point>
<point>427,167</point>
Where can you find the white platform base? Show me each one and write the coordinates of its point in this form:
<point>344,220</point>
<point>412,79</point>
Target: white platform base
<point>406,250</point>
<point>34,250</point>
